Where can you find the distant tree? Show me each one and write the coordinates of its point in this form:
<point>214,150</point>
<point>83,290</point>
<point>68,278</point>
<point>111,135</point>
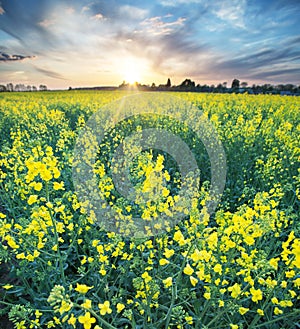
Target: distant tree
<point>34,88</point>
<point>70,88</point>
<point>123,85</point>
<point>224,84</point>
<point>28,88</point>
<point>153,85</point>
<point>266,88</point>
<point>235,84</point>
<point>10,87</point>
<point>43,88</point>
<point>244,84</point>
<point>20,87</point>
<point>280,87</point>
<point>168,85</point>
<point>2,88</point>
<point>289,87</point>
<point>187,84</point>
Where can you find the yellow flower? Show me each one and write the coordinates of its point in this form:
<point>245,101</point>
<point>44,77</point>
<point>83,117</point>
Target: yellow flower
<point>189,319</point>
<point>21,325</point>
<point>196,255</point>
<point>102,272</point>
<point>163,262</point>
<point>11,242</point>
<point>188,270</point>
<point>65,307</point>
<point>243,310</point>
<point>72,320</point>
<point>87,304</point>
<point>297,282</point>
<point>234,326</point>
<point>120,307</point>
<point>56,172</point>
<point>58,186</point>
<point>38,314</point>
<point>7,286</point>
<point>179,238</point>
<point>274,263</point>
<point>260,311</point>
<point>286,303</point>
<point>168,282</point>
<point>277,311</point>
<point>235,290</point>
<point>193,280</point>
<point>218,268</point>
<point>256,294</point>
<point>207,295</point>
<point>168,253</point>
<point>82,288</point>
<point>165,192</point>
<point>86,320</point>
<point>290,274</point>
<point>292,293</point>
<point>105,308</point>
<point>32,199</point>
<point>38,186</point>
<point>146,277</point>
<point>45,174</point>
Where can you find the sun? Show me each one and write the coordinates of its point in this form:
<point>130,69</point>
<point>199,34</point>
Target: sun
<point>132,70</point>
<point>132,76</point>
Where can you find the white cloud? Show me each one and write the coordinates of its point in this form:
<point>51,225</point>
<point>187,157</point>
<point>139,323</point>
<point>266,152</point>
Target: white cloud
<point>175,3</point>
<point>156,25</point>
<point>85,8</point>
<point>98,17</point>
<point>46,23</point>
<point>132,12</point>
<point>70,10</point>
<point>233,12</point>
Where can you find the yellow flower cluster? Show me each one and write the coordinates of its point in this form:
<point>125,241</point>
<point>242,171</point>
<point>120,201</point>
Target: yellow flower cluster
<point>236,268</point>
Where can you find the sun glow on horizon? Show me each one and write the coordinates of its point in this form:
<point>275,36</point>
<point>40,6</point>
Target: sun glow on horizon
<point>132,76</point>
<point>133,70</point>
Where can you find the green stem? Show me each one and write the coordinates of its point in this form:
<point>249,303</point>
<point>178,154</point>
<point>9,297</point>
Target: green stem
<point>59,256</point>
<point>278,319</point>
<point>174,288</point>
<point>36,309</point>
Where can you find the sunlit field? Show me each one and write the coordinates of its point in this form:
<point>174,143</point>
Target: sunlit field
<point>236,267</point>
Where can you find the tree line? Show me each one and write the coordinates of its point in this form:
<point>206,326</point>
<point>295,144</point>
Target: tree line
<point>236,87</point>
<point>21,87</point>
<point>187,85</point>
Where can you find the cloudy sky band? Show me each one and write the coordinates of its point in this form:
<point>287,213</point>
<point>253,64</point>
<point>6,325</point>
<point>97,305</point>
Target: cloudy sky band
<point>64,42</point>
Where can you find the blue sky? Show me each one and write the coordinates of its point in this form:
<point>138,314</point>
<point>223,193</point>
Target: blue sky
<point>64,43</point>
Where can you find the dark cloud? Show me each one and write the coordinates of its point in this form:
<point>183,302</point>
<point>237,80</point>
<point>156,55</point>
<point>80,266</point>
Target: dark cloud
<point>260,58</point>
<point>21,21</point>
<point>276,73</point>
<point>11,58</point>
<point>274,61</point>
<point>50,73</point>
